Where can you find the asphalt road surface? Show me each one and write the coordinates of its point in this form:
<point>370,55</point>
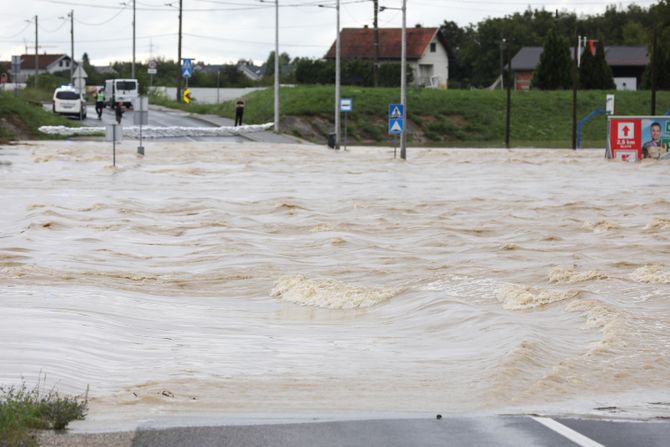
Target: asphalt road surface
<point>157,117</point>
<point>491,431</point>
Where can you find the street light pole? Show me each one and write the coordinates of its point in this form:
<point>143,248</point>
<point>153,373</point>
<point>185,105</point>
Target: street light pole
<point>37,57</point>
<point>337,78</point>
<point>132,67</point>
<point>276,126</point>
<point>403,82</point>
<point>71,44</point>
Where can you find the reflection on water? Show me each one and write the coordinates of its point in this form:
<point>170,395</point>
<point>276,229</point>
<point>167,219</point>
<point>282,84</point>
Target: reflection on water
<point>235,279</point>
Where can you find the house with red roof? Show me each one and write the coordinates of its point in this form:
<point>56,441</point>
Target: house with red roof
<point>426,51</point>
<point>47,63</point>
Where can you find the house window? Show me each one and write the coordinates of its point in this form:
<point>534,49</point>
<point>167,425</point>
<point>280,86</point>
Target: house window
<point>433,47</point>
<point>60,63</point>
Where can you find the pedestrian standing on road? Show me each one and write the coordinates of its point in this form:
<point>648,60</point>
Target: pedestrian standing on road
<point>239,112</point>
<point>100,102</point>
<point>119,112</point>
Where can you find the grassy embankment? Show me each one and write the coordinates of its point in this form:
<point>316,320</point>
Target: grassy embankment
<point>22,411</point>
<point>465,118</point>
<point>21,116</point>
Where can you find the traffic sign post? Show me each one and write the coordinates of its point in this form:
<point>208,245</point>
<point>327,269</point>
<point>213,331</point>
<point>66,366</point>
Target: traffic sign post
<point>346,106</point>
<point>16,65</point>
<point>186,69</point>
<point>396,122</point>
<point>114,133</point>
<point>151,71</point>
<point>141,117</point>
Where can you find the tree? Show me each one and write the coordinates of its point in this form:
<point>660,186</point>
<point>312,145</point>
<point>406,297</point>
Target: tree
<point>284,65</point>
<point>594,72</point>
<point>555,67</point>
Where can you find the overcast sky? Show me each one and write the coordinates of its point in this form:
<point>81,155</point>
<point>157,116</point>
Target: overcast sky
<point>224,31</point>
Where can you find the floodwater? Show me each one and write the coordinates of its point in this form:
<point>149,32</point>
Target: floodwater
<point>222,280</point>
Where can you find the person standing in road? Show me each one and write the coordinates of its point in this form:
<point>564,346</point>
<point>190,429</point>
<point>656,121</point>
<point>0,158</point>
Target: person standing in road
<point>239,112</point>
<point>119,112</point>
<point>100,102</point>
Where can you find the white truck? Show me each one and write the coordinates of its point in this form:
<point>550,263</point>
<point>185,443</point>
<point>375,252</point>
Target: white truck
<point>121,90</point>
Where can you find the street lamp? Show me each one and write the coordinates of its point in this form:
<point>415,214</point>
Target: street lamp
<point>403,77</point>
<point>132,66</point>
<point>276,65</point>
<point>178,52</point>
<point>337,74</point>
<point>71,16</point>
<point>503,41</point>
<point>37,58</point>
<point>276,101</point>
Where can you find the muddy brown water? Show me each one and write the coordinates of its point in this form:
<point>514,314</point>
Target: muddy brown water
<point>241,279</point>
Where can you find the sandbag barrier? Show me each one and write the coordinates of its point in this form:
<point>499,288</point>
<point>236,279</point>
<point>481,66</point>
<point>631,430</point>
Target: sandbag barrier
<point>159,132</point>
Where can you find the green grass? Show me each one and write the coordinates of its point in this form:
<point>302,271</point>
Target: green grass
<point>447,117</point>
<point>23,410</point>
<point>26,115</point>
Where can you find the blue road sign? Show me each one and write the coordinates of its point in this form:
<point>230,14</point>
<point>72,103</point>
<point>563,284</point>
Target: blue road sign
<point>395,111</point>
<point>345,105</point>
<point>396,126</point>
<point>186,68</point>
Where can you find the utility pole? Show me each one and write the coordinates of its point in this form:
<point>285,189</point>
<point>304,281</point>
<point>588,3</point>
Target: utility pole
<point>508,101</point>
<point>403,82</point>
<point>179,56</point>
<point>375,68</point>
<point>653,69</point>
<point>502,69</point>
<point>132,67</point>
<point>71,44</point>
<point>337,78</point>
<point>276,66</point>
<point>37,57</point>
<point>574,95</point>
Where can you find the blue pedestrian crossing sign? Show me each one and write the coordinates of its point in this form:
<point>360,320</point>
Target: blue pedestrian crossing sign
<point>396,126</point>
<point>395,111</point>
<point>396,121</point>
<point>186,68</point>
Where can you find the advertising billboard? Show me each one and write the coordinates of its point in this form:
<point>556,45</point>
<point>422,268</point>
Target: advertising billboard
<point>633,138</point>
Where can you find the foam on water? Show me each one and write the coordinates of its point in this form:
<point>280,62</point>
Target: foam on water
<point>653,274</point>
<point>329,293</point>
<point>516,297</point>
<point>569,276</point>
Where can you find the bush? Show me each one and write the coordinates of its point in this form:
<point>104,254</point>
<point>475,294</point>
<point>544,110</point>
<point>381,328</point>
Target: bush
<point>23,410</point>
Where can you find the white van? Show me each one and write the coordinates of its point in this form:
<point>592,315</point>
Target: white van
<point>121,90</point>
<point>66,101</point>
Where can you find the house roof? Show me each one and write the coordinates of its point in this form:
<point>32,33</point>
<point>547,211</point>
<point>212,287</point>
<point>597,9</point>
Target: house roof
<point>28,60</point>
<point>359,43</point>
<point>105,69</point>
<point>633,56</point>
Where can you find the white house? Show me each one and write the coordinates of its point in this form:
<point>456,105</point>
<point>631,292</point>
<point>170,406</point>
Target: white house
<point>426,51</point>
<point>48,63</point>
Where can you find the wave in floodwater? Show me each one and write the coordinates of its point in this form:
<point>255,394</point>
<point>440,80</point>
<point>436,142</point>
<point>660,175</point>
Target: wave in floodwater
<point>216,278</point>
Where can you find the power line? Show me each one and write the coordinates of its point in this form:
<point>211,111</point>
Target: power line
<point>163,9</point>
<point>53,30</point>
<point>104,21</point>
<point>250,42</point>
<point>20,32</point>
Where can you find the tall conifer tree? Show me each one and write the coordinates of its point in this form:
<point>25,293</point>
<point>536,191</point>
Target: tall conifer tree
<point>554,70</point>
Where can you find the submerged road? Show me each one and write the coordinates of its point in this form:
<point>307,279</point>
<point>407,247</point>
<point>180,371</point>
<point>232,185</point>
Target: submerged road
<point>493,431</point>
